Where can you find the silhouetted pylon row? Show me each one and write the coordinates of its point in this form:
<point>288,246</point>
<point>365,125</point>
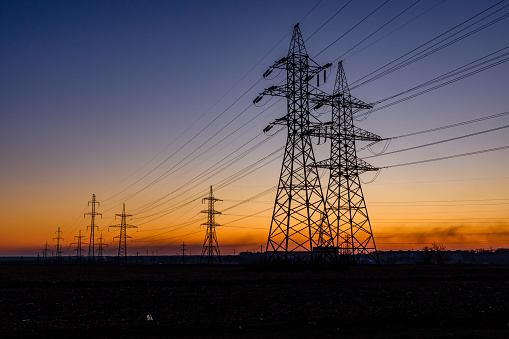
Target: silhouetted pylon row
<point>122,237</point>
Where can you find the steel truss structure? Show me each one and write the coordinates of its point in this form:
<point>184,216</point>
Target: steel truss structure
<point>78,246</point>
<point>59,246</point>
<point>122,237</point>
<point>346,209</point>
<point>299,230</point>
<point>93,226</point>
<point>307,226</point>
<point>210,246</point>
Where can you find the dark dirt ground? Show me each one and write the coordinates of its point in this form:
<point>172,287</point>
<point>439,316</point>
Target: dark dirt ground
<point>254,302</point>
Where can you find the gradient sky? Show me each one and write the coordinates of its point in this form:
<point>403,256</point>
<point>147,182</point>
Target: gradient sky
<point>105,97</point>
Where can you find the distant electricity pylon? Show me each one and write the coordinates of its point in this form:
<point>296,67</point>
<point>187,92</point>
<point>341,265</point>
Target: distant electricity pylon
<point>45,251</point>
<point>298,227</point>
<point>183,251</point>
<point>59,246</point>
<point>346,208</point>
<point>78,244</point>
<point>210,245</point>
<point>93,226</point>
<point>122,238</point>
<point>100,250</point>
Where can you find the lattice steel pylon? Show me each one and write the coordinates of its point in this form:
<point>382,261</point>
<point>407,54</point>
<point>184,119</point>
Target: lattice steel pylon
<point>210,245</point>
<point>45,251</point>
<point>100,249</point>
<point>346,207</point>
<point>297,227</point>
<point>78,246</point>
<point>59,246</point>
<point>93,226</point>
<point>122,238</point>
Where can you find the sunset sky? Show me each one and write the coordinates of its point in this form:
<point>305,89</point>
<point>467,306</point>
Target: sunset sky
<point>148,103</point>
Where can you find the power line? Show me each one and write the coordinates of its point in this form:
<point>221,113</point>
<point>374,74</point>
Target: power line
<point>433,201</point>
<point>396,67</point>
<point>442,205</point>
<point>442,77</point>
<point>449,157</point>
<point>189,141</point>
<point>210,123</point>
<point>452,125</point>
<point>435,129</point>
<point>308,38</point>
<point>357,24</point>
<point>212,171</point>
<point>326,22</point>
<point>232,178</point>
<point>380,28</point>
<point>309,12</point>
<point>440,142</point>
<point>174,170</point>
<point>394,30</point>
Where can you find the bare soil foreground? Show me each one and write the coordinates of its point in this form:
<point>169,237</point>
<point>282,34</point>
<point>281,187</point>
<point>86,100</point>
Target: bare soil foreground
<point>254,302</point>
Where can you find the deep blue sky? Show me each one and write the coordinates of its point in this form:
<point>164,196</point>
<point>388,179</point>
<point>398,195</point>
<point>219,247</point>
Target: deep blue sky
<point>90,91</point>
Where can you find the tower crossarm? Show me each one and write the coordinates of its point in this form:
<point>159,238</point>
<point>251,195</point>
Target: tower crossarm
<point>322,99</point>
<point>209,198</point>
<point>277,91</point>
<point>279,121</point>
<point>363,166</point>
<point>325,130</point>
<point>360,134</point>
<point>212,212</point>
<point>120,225</point>
<point>213,224</point>
<point>313,69</point>
<point>316,70</point>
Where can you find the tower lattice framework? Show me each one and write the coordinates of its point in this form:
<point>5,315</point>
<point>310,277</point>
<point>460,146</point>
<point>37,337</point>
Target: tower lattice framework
<point>346,207</point>
<point>59,245</point>
<point>210,245</point>
<point>93,226</point>
<point>78,244</point>
<point>122,237</point>
<point>100,249</point>
<point>298,226</point>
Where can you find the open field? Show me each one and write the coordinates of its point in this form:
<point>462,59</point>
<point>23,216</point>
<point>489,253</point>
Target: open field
<point>251,301</point>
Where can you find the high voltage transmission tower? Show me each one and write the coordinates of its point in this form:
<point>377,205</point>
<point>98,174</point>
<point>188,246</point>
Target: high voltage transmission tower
<point>183,251</point>
<point>346,208</point>
<point>298,225</point>
<point>306,226</point>
<point>122,238</point>
<point>59,246</point>
<point>78,246</point>
<point>45,251</point>
<point>100,250</point>
<point>210,245</point>
<point>93,226</point>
